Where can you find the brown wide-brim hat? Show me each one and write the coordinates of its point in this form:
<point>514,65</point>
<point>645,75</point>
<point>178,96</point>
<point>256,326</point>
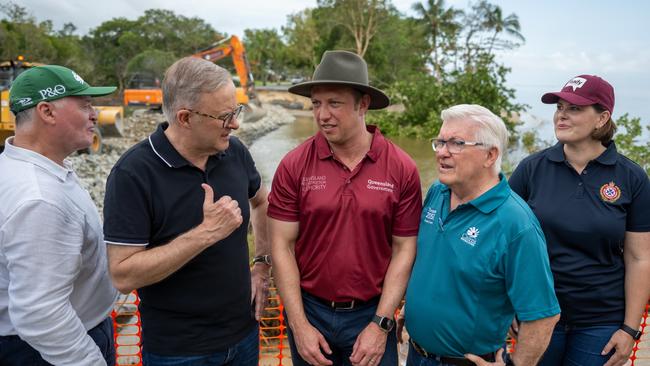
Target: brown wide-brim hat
<point>343,68</point>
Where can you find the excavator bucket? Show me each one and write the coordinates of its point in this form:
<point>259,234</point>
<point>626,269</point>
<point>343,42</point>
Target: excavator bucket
<point>110,120</point>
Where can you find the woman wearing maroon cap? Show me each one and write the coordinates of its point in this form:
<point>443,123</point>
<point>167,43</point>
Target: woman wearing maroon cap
<point>594,207</point>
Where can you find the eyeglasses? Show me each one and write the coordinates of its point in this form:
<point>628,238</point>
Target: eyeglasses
<point>454,146</point>
<point>227,118</point>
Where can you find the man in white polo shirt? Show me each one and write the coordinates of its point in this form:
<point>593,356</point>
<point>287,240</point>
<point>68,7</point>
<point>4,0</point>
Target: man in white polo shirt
<point>55,291</point>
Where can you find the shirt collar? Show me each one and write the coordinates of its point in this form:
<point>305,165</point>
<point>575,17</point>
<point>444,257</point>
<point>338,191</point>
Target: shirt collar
<point>376,147</point>
<point>608,157</point>
<point>490,200</point>
<point>164,149</point>
<point>22,154</point>
<point>493,198</point>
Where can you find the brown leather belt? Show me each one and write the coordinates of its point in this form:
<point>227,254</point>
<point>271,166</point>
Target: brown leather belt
<point>458,361</point>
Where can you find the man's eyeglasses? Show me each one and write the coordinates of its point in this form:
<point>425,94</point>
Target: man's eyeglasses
<point>454,146</point>
<point>227,118</point>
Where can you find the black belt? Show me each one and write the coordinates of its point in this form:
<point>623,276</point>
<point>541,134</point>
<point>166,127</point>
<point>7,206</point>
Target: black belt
<point>459,361</point>
<point>343,305</point>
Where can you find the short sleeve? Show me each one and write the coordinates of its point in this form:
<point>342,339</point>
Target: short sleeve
<point>127,213</point>
<point>254,178</point>
<point>529,280</point>
<point>283,200</point>
<point>638,215</point>
<point>518,181</point>
<point>406,220</point>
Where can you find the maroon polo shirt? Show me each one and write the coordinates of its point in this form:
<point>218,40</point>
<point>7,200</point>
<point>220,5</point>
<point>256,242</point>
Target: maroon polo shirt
<point>346,218</point>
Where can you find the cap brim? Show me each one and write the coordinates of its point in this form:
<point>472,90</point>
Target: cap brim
<point>550,98</point>
<point>96,91</point>
<point>378,99</point>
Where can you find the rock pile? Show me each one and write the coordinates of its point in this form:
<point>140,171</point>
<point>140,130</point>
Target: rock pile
<point>94,169</point>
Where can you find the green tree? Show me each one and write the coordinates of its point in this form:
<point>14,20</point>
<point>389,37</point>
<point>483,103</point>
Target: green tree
<point>266,52</point>
<point>440,25</point>
<point>495,22</point>
<point>302,37</point>
<point>628,144</point>
<point>361,19</point>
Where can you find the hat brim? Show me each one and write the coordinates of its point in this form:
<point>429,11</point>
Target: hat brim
<point>96,91</point>
<point>550,98</point>
<point>378,100</point>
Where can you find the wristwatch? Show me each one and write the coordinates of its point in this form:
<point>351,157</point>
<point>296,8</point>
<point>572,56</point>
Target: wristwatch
<point>386,324</point>
<point>635,334</point>
<point>266,259</point>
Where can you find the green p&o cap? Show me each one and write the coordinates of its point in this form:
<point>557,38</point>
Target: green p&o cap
<point>47,83</point>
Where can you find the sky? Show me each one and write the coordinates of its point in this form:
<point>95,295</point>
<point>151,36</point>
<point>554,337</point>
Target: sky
<point>564,38</point>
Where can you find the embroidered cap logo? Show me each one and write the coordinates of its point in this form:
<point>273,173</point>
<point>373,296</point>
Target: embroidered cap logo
<point>576,83</point>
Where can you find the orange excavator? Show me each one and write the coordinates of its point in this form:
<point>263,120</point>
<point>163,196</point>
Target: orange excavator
<point>231,46</point>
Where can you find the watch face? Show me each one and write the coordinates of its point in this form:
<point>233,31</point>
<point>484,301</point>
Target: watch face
<point>384,323</point>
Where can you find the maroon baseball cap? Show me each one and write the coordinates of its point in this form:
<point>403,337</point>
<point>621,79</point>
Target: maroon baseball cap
<point>584,90</point>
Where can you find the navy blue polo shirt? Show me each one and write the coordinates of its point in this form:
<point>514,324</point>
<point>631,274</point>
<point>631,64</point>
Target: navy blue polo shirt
<point>154,195</point>
<point>584,218</point>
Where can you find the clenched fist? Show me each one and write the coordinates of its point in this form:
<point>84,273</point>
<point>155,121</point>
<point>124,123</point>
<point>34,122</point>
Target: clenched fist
<point>220,218</point>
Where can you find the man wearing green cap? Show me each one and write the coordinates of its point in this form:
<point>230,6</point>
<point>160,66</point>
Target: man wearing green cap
<point>55,291</point>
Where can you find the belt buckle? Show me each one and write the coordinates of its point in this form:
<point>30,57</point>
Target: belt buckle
<point>419,349</point>
<point>343,308</point>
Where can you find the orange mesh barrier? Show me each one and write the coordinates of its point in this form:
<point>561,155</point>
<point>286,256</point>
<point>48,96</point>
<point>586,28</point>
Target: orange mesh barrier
<point>274,342</point>
<point>127,330</point>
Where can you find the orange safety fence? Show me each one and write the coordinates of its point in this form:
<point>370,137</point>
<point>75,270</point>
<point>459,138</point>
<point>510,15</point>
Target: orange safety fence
<point>274,343</point>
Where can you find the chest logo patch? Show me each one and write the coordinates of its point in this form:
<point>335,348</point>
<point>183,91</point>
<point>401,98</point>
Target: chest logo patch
<point>610,192</point>
<point>470,236</point>
<point>314,183</point>
<point>380,186</point>
<point>430,216</point>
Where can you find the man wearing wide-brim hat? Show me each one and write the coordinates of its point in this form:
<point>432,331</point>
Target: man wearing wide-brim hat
<point>344,211</point>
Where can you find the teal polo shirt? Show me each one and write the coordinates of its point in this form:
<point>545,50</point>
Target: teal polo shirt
<point>476,267</point>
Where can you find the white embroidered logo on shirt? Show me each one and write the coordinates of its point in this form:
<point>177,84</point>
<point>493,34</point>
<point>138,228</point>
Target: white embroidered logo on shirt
<point>470,236</point>
<point>380,186</point>
<point>314,183</point>
<point>430,216</point>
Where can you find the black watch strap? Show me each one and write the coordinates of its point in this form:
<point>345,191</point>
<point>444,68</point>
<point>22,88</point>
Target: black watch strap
<point>386,324</point>
<point>635,334</point>
<point>266,259</point>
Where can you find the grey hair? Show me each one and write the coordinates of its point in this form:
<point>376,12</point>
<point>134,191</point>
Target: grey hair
<point>186,80</point>
<point>492,130</point>
<point>24,116</point>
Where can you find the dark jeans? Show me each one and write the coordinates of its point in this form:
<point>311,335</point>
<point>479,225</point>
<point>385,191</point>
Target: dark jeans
<point>16,352</point>
<point>340,329</point>
<point>244,353</point>
<point>578,346</point>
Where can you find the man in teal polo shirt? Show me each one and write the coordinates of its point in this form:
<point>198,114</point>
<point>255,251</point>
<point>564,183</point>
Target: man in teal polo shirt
<point>481,255</point>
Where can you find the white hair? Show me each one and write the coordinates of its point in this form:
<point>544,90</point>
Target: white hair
<point>492,131</point>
